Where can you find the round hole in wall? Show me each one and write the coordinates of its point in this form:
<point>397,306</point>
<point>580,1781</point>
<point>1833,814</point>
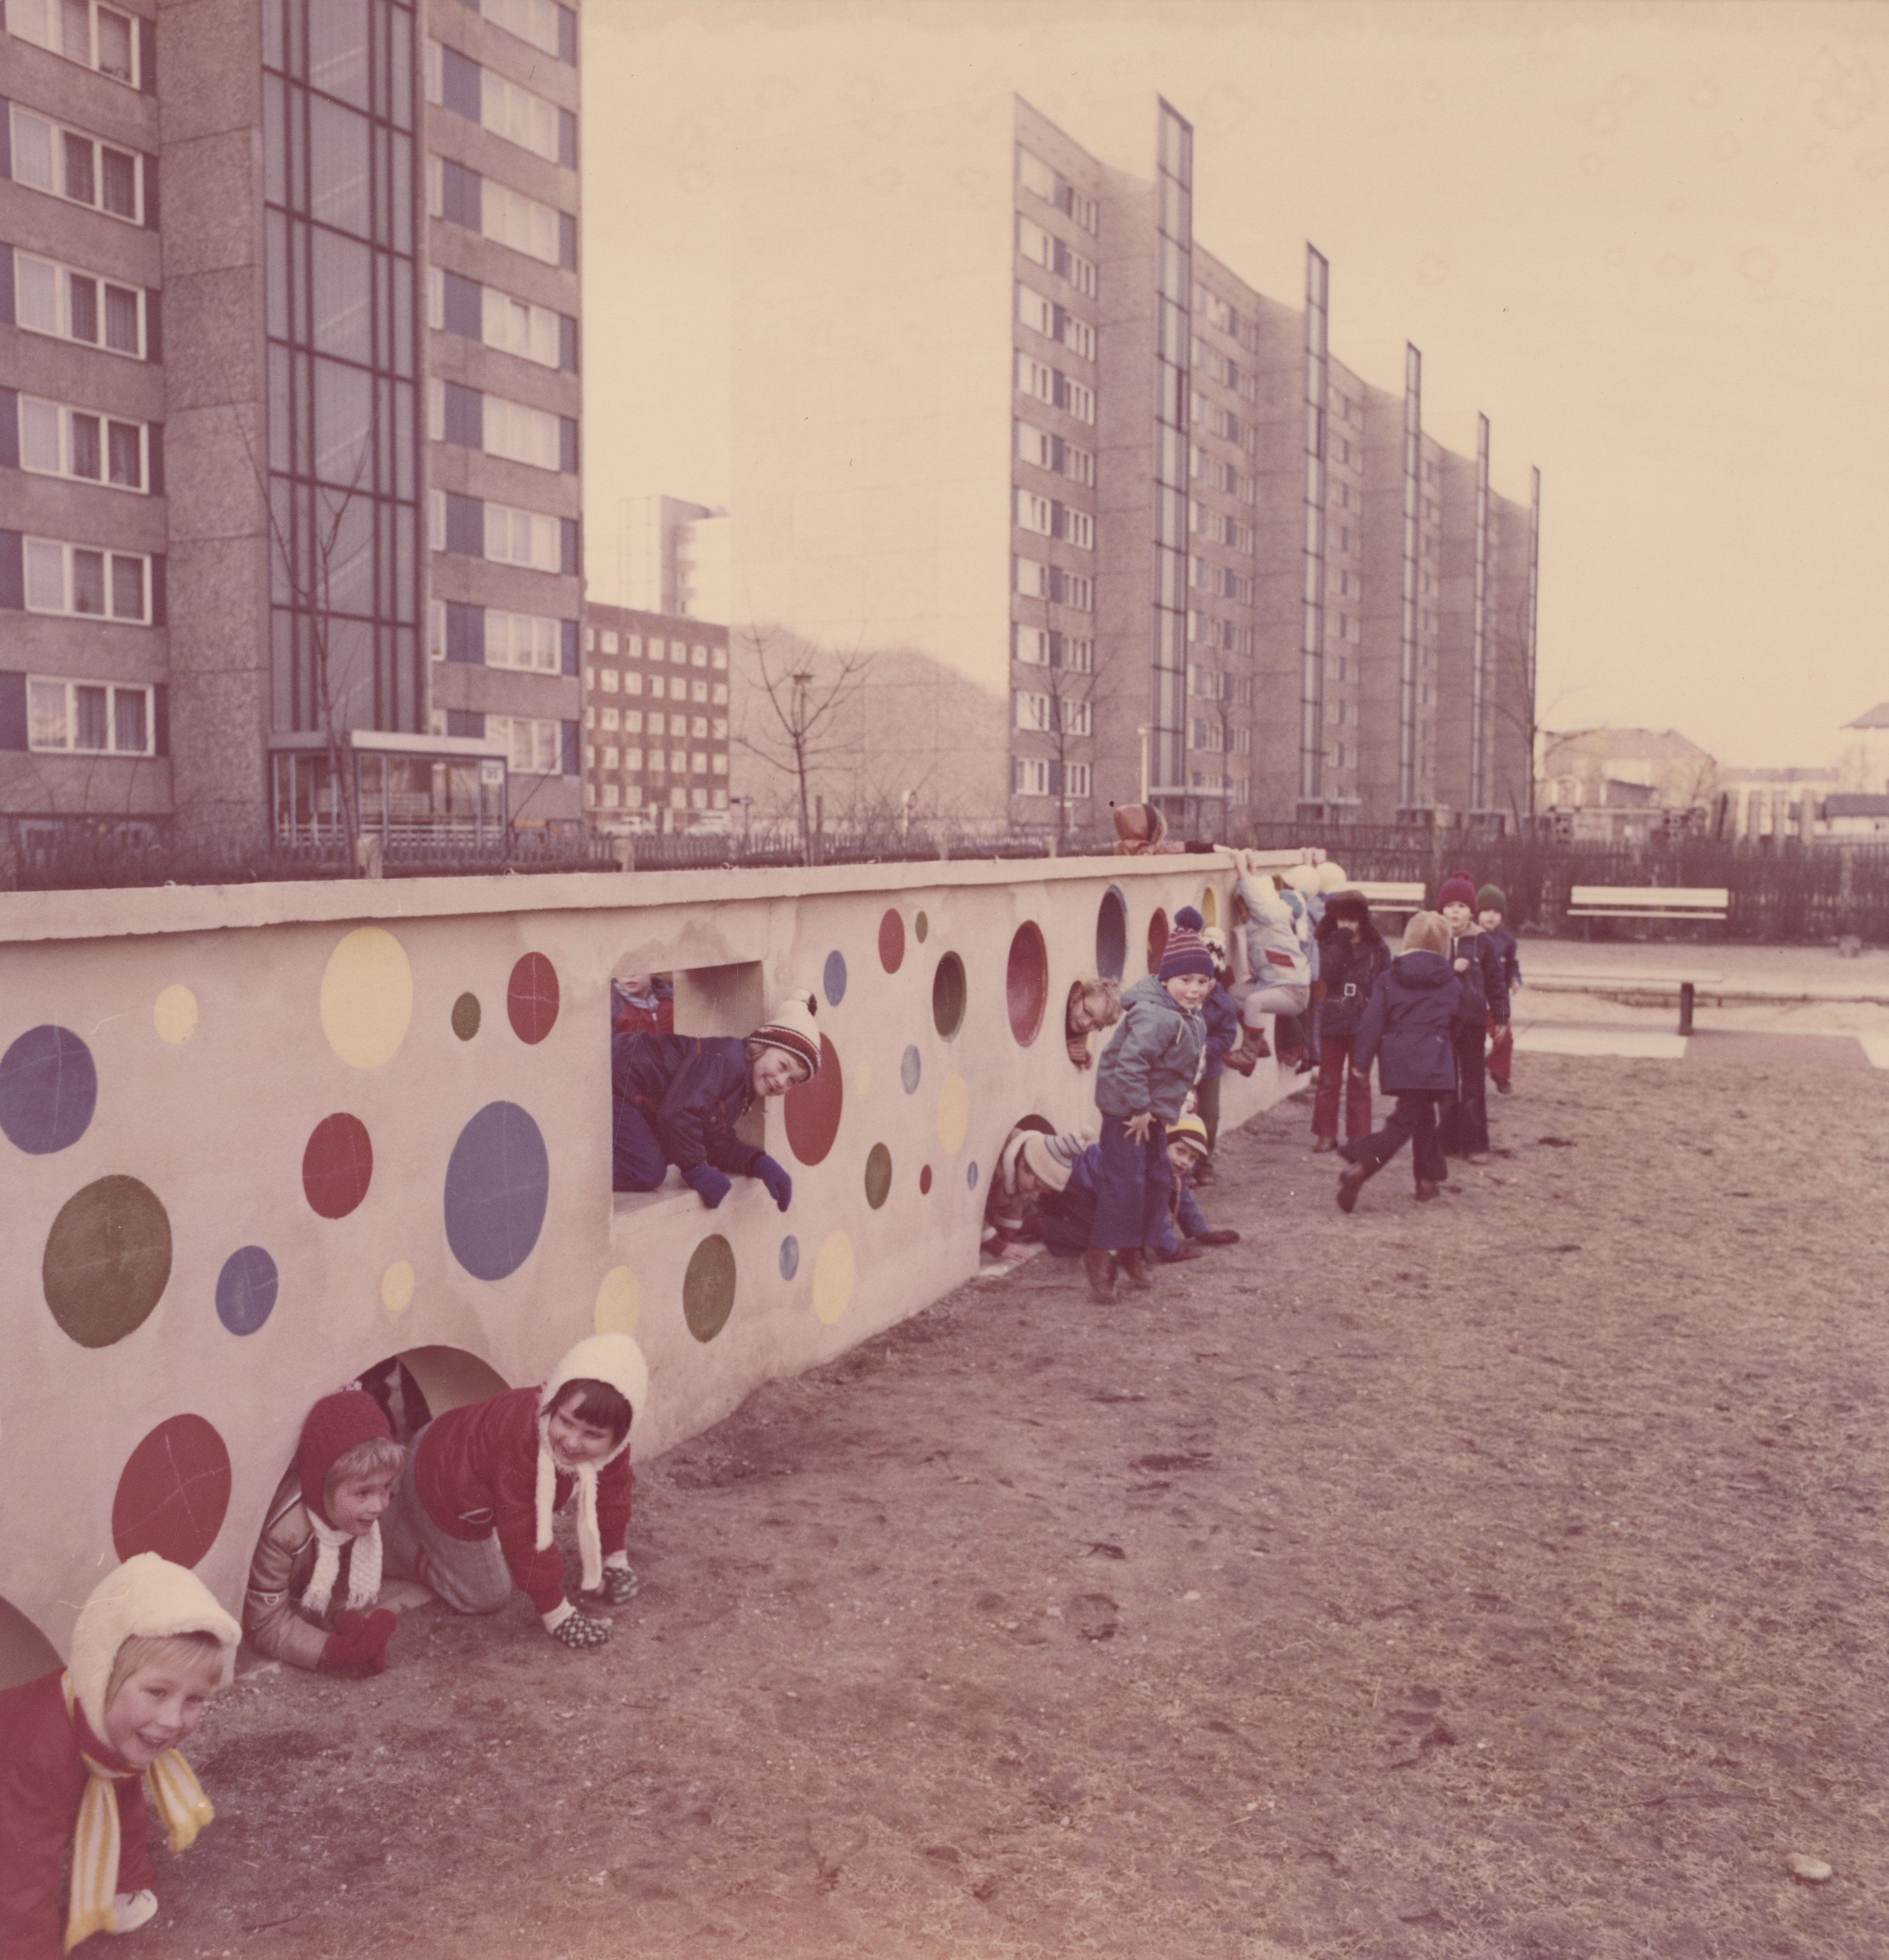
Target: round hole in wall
<point>1157,939</point>
<point>1209,906</point>
<point>947,996</point>
<point>1111,934</point>
<point>25,1652</point>
<point>1026,982</point>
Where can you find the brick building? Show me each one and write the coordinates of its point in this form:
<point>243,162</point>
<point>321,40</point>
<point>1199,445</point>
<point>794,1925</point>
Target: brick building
<point>655,719</point>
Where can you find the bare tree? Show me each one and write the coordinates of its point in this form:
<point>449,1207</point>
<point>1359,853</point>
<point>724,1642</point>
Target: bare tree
<point>1068,689</point>
<point>797,718</point>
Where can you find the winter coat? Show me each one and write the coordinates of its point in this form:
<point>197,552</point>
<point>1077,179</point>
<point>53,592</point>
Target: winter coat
<point>1349,968</point>
<point>1276,953</point>
<point>653,1013</point>
<point>1152,1061</point>
<point>693,1091</point>
<point>1222,1019</point>
<point>278,1573</point>
<point>42,1781</point>
<point>1484,984</point>
<point>1414,1008</point>
<point>476,1469</point>
<point>1183,1211</point>
<point>1506,945</point>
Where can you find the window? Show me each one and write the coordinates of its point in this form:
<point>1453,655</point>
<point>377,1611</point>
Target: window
<point>56,440</point>
<point>1076,779</point>
<point>719,660</point>
<point>462,306</point>
<point>1037,580</point>
<point>698,690</point>
<point>1044,248</point>
<point>535,748</point>
<point>68,164</point>
<point>1034,512</point>
<point>72,305</point>
<point>678,762</point>
<point>1243,741</point>
<point>502,106</point>
<point>500,427</point>
<point>1049,384</point>
<point>1050,452</point>
<point>1030,776</point>
<point>497,212</point>
<point>498,532</point>
<point>632,720</point>
<point>1044,317</point>
<point>1038,178</point>
<point>92,584</point>
<point>719,693</point>
<point>94,37</point>
<point>524,641</point>
<point>609,677</point>
<point>543,23</point>
<point>89,718</point>
<point>633,758</point>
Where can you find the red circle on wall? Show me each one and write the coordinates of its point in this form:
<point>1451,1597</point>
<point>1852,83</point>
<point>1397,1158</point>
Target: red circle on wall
<point>1026,982</point>
<point>813,1108</point>
<point>337,1165</point>
<point>531,998</point>
<point>173,1492</point>
<point>1157,940</point>
<point>892,941</point>
<point>925,1180</point>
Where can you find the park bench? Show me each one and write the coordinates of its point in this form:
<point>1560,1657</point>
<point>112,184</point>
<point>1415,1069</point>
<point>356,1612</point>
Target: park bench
<point>1705,904</point>
<point>1385,896</point>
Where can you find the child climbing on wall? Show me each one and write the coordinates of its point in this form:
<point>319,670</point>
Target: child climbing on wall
<point>472,1510</point>
<point>1491,905</point>
<point>314,1583</point>
<point>1277,959</point>
<point>676,1099</point>
<point>1140,1083</point>
<point>82,1747</point>
<point>1351,954</point>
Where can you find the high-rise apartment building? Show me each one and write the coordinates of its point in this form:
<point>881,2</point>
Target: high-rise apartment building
<point>674,558</point>
<point>1186,553</point>
<point>655,719</point>
<point>288,459</point>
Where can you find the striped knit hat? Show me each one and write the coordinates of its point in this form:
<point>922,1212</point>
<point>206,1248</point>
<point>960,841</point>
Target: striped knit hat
<point>791,1026</point>
<point>1186,952</point>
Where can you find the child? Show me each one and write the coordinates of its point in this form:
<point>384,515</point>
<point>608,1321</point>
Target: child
<point>1492,902</point>
<point>676,1099</point>
<point>1223,1021</point>
<point>1352,955</point>
<point>641,1003</point>
<point>471,1514</point>
<point>1408,1027</point>
<point>315,1580</point>
<point>1144,1077</point>
<point>1282,982</point>
<point>1464,1120</point>
<point>1187,1147</point>
<point>80,1748</point>
<point>1029,1165</point>
<point>1093,1005</point>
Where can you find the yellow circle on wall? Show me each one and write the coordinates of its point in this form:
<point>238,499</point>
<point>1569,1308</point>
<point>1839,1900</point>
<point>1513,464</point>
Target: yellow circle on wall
<point>174,1015</point>
<point>366,998</point>
<point>954,1115</point>
<point>833,1278</point>
<point>862,1079</point>
<point>619,1302</point>
<point>396,1286</point>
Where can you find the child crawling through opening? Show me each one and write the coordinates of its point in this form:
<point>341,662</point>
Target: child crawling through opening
<point>1063,1174</point>
<point>82,1747</point>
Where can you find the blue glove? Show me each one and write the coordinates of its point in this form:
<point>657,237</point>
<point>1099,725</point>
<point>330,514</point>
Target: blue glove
<point>708,1181</point>
<point>780,1186</point>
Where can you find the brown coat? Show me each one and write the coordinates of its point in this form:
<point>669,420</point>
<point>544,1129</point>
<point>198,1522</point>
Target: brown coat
<point>284,1561</point>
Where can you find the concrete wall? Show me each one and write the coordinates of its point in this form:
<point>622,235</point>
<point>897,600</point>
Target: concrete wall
<point>256,1139</point>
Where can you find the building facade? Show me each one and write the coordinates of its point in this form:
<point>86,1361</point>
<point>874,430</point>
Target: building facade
<point>674,558</point>
<point>1236,578</point>
<point>655,721</point>
<point>289,476</point>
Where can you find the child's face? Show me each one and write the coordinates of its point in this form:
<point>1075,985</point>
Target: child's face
<point>1028,1183</point>
<point>639,983</point>
<point>776,1071</point>
<point>1183,1156</point>
<point>576,1441</point>
<point>1190,989</point>
<point>1352,926</point>
<point>355,1504</point>
<point>1091,1013</point>
<point>157,1707</point>
<point>1489,920</point>
<point>1458,914</point>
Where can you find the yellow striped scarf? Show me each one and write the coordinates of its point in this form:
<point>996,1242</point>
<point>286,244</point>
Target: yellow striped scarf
<point>177,1798</point>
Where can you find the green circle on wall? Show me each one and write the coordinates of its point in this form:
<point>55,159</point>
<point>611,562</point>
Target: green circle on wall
<point>707,1287</point>
<point>920,927</point>
<point>107,1260</point>
<point>878,1175</point>
<point>466,1017</point>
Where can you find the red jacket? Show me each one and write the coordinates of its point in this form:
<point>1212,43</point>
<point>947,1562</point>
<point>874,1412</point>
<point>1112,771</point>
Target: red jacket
<point>42,1782</point>
<point>476,1470</point>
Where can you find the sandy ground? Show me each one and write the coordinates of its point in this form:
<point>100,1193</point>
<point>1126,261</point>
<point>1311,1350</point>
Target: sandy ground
<point>1501,1577</point>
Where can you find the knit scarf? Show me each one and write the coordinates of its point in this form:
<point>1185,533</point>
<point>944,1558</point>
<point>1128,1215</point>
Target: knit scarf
<point>589,1537</point>
<point>175,1796</point>
<point>363,1569</point>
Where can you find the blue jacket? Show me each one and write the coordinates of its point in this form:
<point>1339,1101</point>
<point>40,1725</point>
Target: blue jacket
<point>1349,970</point>
<point>1484,986</point>
<point>1408,1025</point>
<point>1077,1202</point>
<point>1154,1056</point>
<point>1222,1018</point>
<point>693,1091</point>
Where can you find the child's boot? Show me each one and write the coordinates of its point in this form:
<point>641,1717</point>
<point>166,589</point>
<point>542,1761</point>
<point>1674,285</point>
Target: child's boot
<point>1426,1190</point>
<point>1098,1267</point>
<point>1135,1267</point>
<point>1353,1181</point>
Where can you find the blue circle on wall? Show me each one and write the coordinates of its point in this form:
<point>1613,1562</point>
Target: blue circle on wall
<point>834,979</point>
<point>790,1256</point>
<point>909,1069</point>
<point>970,1175</point>
<point>49,1088</point>
<point>245,1290</point>
<point>498,1182</point>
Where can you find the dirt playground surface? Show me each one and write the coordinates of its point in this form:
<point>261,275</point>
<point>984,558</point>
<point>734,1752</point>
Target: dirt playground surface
<point>1499,1577</point>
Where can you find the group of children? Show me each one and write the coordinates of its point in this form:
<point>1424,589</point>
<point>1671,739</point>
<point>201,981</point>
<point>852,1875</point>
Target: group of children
<point>465,1509</point>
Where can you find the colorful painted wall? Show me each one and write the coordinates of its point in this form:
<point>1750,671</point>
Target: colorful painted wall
<point>258,1139</point>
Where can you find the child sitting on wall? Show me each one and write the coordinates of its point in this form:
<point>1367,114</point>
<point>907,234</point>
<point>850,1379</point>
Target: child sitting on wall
<point>1185,1233</point>
<point>471,1514</point>
<point>676,1099</point>
<point>82,1746</point>
<point>641,1003</point>
<point>1143,1079</point>
<point>314,1583</point>
<point>1093,1005</point>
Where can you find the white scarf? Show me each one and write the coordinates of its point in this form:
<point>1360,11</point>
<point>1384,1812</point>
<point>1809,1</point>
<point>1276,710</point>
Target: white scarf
<point>363,1569</point>
<point>590,1537</point>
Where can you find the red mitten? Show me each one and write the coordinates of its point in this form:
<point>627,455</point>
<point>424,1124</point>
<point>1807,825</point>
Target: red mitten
<point>358,1646</point>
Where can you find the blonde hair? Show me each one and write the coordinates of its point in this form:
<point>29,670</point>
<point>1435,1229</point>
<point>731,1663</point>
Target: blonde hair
<point>164,1650</point>
<point>1109,992</point>
<point>375,1457</point>
<point>754,1048</point>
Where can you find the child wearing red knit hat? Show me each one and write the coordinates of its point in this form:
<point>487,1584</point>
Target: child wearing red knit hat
<point>314,1584</point>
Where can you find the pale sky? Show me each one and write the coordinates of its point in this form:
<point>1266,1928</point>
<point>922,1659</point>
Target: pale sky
<point>1647,240</point>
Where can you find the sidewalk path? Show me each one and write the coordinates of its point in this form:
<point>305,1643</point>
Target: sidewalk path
<point>1494,1578</point>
